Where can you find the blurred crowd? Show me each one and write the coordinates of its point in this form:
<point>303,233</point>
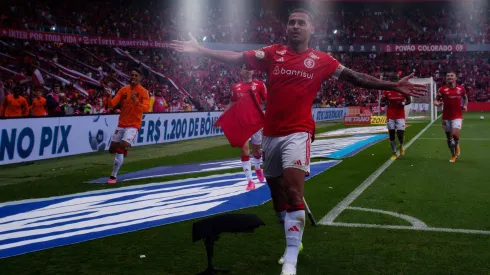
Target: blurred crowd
<point>68,79</point>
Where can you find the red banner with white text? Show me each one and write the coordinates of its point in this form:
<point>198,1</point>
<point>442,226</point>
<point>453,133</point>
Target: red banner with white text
<point>423,48</point>
<point>80,39</point>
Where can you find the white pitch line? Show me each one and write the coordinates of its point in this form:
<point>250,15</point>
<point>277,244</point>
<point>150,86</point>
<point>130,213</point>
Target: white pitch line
<point>335,212</point>
<point>434,229</point>
<point>462,139</point>
<point>415,222</point>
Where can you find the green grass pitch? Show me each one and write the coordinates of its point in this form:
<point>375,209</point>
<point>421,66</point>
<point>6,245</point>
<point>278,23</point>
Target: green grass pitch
<point>422,184</point>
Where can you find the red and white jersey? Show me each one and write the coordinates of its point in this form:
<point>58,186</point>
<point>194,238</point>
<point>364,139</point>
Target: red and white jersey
<point>257,87</point>
<point>395,110</point>
<point>452,99</point>
<point>294,81</point>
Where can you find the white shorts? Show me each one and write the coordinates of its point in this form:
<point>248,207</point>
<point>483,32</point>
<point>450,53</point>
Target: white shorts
<point>449,125</point>
<point>125,134</point>
<point>291,151</point>
<point>396,124</point>
<point>256,139</point>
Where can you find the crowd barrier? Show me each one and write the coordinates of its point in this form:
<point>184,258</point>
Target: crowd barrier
<point>30,139</point>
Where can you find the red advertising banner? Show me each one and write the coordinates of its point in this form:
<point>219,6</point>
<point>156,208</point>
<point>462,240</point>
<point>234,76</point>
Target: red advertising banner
<point>478,106</point>
<point>80,39</point>
<point>423,48</point>
<point>357,120</point>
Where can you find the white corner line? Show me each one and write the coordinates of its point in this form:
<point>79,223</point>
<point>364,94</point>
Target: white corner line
<point>339,208</point>
<point>432,229</point>
<point>414,221</point>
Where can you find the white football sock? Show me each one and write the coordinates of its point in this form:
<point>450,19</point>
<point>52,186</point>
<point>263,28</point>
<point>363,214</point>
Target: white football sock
<point>118,162</point>
<point>256,163</point>
<point>294,224</point>
<point>247,167</point>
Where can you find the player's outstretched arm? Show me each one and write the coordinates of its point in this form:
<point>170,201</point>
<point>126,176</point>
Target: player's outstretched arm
<point>465,102</point>
<point>113,102</point>
<point>368,82</point>
<point>191,46</point>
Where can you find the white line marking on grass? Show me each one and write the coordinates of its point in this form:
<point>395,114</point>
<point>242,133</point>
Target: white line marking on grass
<point>415,222</point>
<point>434,229</point>
<point>335,212</point>
<point>462,139</point>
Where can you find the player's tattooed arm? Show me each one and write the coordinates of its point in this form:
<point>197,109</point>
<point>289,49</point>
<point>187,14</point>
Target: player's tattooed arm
<point>438,101</point>
<point>369,82</point>
<point>465,102</point>
<point>365,81</point>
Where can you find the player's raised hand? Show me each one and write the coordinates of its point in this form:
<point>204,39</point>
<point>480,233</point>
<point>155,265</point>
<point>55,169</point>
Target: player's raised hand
<point>407,88</point>
<point>189,46</point>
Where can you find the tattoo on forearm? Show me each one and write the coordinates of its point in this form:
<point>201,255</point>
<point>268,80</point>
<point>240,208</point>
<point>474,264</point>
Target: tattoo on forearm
<point>364,80</point>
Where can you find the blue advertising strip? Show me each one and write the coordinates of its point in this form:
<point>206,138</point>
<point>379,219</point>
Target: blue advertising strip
<point>33,225</point>
<point>31,139</point>
<point>358,146</point>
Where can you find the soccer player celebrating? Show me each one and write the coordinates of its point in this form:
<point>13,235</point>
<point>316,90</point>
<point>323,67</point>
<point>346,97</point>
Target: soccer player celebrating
<point>395,116</point>
<point>450,96</point>
<point>134,100</point>
<point>238,90</point>
<point>295,73</point>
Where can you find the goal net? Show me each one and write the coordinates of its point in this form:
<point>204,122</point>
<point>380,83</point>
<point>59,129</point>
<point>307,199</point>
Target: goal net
<point>422,108</point>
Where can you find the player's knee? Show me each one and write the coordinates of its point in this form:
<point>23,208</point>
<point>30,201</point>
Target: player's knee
<point>113,147</point>
<point>296,206</point>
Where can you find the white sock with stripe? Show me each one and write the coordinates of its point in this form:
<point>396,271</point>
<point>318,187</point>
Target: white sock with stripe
<point>118,162</point>
<point>247,167</point>
<point>294,223</point>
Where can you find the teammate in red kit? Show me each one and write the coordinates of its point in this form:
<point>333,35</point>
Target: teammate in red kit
<point>260,91</point>
<point>295,75</point>
<point>395,117</point>
<point>451,96</point>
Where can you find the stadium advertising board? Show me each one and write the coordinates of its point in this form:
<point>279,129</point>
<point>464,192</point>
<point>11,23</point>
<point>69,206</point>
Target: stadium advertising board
<point>378,120</point>
<point>326,114</point>
<point>357,120</point>
<point>424,48</point>
<point>30,139</point>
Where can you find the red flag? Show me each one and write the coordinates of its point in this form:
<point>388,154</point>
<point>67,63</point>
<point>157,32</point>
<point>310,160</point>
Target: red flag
<point>242,120</point>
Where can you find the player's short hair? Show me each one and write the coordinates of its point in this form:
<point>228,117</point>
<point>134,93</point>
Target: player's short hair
<point>18,89</point>
<point>138,70</point>
<point>301,10</point>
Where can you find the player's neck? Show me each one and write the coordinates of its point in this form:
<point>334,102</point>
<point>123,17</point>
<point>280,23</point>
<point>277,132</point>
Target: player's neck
<point>133,86</point>
<point>299,47</point>
<point>452,85</point>
<point>248,80</point>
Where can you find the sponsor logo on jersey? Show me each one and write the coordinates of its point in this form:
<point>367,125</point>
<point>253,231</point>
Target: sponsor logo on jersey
<point>280,70</point>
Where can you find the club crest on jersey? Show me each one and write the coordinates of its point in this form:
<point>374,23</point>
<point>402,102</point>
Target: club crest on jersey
<point>309,63</point>
<point>283,52</point>
<point>312,55</point>
<point>259,54</point>
<point>254,87</point>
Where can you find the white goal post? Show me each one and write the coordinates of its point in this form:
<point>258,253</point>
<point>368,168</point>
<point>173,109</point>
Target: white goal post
<point>423,107</point>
